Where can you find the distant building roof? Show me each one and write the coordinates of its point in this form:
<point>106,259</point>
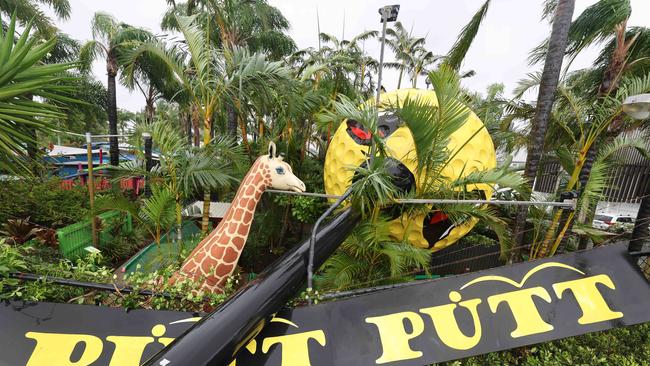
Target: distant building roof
<point>217,209</point>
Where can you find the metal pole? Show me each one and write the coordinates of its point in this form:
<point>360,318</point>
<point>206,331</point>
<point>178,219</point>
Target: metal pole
<point>384,19</point>
<point>91,186</point>
<point>312,242</point>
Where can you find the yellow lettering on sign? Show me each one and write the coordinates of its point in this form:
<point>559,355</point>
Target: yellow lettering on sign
<point>128,350</point>
<point>394,337</point>
<point>251,347</point>
<point>295,347</point>
<point>523,309</point>
<point>447,327</point>
<point>55,349</point>
<point>591,301</point>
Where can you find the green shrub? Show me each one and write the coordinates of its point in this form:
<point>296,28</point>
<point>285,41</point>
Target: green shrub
<point>183,295</point>
<point>43,201</point>
<point>626,346</point>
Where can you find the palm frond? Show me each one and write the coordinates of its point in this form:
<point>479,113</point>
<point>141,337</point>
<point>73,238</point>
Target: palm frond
<point>458,51</point>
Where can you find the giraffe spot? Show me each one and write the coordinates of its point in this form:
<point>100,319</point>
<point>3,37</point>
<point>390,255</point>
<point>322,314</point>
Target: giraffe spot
<point>199,256</point>
<point>238,215</point>
<point>250,190</point>
<point>206,267</point>
<point>238,242</point>
<point>232,228</point>
<point>230,255</point>
<point>251,205</point>
<point>223,240</point>
<point>243,229</point>
<point>224,270</point>
<point>248,216</point>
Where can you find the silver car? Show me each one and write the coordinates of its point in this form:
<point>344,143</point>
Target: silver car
<point>605,221</point>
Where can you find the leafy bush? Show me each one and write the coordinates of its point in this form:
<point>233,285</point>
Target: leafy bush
<point>43,201</point>
<point>617,347</point>
<point>182,296</point>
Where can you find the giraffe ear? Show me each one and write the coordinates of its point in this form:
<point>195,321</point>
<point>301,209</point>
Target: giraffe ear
<point>271,150</point>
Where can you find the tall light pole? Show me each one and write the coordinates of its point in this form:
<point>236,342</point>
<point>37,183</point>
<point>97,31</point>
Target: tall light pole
<point>388,14</point>
<point>638,107</point>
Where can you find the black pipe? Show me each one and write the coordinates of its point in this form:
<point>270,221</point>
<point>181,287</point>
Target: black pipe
<point>110,287</point>
<point>216,339</point>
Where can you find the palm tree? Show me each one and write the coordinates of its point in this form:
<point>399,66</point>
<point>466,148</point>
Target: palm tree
<point>548,85</point>
<point>580,124</point>
<point>403,45</point>
<point>154,81</point>
<point>458,51</point>
<point>30,11</point>
<point>253,24</point>
<point>184,170</point>
<point>625,53</point>
<point>206,78</point>
<point>23,76</point>
<point>419,64</point>
<point>371,257</point>
<point>110,40</point>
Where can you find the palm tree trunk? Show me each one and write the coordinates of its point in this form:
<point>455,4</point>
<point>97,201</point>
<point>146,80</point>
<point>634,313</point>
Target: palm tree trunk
<point>196,125</point>
<point>401,73</point>
<point>547,89</point>
<point>111,109</point>
<point>205,220</point>
<point>608,86</point>
<point>188,126</point>
<point>232,120</point>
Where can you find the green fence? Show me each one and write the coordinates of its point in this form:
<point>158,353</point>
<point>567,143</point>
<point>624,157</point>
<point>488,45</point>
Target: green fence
<point>75,238</point>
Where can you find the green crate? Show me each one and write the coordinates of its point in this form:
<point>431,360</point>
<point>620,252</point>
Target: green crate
<point>73,239</point>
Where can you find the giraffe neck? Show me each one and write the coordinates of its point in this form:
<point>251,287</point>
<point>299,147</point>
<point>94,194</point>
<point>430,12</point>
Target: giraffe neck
<point>216,256</point>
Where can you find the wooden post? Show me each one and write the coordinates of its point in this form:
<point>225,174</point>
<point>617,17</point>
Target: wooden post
<point>91,186</point>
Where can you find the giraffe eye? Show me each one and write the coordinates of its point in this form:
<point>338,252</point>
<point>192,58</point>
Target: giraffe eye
<point>279,170</point>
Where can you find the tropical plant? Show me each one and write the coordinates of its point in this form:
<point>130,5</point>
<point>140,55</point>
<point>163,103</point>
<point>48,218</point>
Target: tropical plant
<point>624,54</point>
<point>403,44</point>
<point>370,257</point>
<point>605,112</point>
<point>183,170</point>
<point>19,231</point>
<point>111,39</point>
<point>23,76</point>
<point>30,11</point>
<point>252,24</point>
<point>214,76</point>
<point>458,51</point>
<point>548,85</point>
<point>432,128</point>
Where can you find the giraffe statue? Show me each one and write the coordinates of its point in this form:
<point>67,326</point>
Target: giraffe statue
<point>215,258</point>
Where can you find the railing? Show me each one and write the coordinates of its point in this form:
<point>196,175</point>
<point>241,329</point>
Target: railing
<point>102,184</point>
<point>627,182</point>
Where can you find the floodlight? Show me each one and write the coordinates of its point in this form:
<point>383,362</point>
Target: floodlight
<point>637,106</point>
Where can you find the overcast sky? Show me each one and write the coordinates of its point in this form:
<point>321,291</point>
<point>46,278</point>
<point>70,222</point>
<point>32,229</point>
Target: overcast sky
<point>498,54</point>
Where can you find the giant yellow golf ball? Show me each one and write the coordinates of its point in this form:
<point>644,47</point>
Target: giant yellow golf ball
<point>472,150</point>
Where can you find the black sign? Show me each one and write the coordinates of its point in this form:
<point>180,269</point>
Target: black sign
<point>419,324</point>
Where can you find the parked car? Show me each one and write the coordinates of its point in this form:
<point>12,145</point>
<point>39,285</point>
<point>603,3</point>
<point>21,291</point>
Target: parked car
<point>606,221</point>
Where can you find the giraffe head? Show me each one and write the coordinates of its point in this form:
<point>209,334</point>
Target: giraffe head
<point>281,174</point>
